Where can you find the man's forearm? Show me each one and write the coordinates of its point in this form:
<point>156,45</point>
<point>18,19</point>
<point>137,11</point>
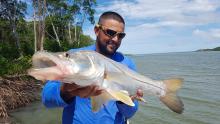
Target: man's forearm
<point>51,95</point>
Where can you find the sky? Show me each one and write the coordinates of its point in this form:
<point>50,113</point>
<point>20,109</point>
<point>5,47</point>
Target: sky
<point>161,26</point>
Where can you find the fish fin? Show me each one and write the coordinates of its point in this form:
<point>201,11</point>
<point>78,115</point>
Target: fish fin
<point>98,101</point>
<point>170,98</point>
<point>141,99</point>
<point>173,85</point>
<point>95,105</point>
<point>121,96</point>
<point>125,92</point>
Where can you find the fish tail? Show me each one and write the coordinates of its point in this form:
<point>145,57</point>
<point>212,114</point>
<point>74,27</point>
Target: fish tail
<point>170,99</point>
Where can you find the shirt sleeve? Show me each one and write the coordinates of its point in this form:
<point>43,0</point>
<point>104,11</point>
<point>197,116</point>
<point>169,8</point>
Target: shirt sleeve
<point>131,65</point>
<point>51,95</point>
<point>126,110</point>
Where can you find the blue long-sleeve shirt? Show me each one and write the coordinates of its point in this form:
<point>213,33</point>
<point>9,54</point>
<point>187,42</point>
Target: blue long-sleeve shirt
<point>79,110</point>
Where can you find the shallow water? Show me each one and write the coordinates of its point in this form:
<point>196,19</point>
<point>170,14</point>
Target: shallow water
<point>200,92</point>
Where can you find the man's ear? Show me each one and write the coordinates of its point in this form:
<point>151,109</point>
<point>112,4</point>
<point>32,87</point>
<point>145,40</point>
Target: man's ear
<point>96,30</point>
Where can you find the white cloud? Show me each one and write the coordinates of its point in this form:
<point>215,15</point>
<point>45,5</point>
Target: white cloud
<point>216,33</point>
<point>169,12</point>
<point>211,34</point>
<point>166,24</point>
<point>155,26</point>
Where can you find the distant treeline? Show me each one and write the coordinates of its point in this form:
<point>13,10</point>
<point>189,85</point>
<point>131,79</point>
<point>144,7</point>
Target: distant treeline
<point>55,26</point>
<point>214,49</point>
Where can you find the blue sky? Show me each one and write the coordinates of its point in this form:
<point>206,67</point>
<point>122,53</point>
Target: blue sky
<point>160,26</point>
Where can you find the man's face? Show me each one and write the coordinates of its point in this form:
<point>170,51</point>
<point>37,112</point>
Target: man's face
<point>105,43</point>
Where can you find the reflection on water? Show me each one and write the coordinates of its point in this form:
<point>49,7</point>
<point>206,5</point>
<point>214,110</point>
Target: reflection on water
<point>200,91</point>
<point>36,113</point>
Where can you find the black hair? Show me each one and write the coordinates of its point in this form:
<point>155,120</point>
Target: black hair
<point>111,15</point>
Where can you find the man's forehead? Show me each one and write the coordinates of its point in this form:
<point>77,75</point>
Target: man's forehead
<point>112,23</point>
<point>110,20</point>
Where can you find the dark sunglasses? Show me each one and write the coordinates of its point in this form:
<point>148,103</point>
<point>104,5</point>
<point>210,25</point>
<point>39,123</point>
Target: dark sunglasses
<point>111,33</point>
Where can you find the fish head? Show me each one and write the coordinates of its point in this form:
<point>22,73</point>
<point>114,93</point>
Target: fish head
<point>82,60</point>
<point>52,66</point>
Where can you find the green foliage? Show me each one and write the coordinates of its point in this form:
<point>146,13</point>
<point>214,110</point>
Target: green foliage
<point>8,48</point>
<point>216,49</point>
<point>27,48</point>
<point>52,45</point>
<point>16,66</point>
<point>12,9</point>
<point>17,34</point>
<point>85,41</point>
<point>72,11</point>
<point>8,51</point>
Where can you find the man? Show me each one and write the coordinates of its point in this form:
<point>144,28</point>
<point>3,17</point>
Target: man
<point>75,99</point>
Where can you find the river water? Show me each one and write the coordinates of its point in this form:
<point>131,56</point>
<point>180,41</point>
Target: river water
<point>200,92</point>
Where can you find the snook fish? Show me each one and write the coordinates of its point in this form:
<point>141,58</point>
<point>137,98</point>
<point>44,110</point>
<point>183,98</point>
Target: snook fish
<point>89,67</point>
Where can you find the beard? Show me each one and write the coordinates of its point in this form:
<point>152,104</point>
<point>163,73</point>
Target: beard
<point>107,48</point>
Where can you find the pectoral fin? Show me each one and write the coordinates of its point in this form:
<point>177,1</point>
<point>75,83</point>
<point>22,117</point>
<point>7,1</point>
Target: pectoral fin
<point>121,96</point>
<point>141,99</point>
<point>98,101</point>
<point>116,92</point>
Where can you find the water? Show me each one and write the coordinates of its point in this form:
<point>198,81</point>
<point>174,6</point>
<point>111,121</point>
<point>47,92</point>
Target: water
<point>200,92</point>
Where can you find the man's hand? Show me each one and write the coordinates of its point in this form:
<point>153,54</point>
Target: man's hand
<point>138,96</point>
<point>68,91</point>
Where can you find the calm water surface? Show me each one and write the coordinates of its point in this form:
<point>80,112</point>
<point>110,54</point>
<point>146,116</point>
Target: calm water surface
<point>200,92</point>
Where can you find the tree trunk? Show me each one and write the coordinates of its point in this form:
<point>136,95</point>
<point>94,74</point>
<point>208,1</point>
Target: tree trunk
<point>54,30</point>
<point>43,26</point>
<point>75,36</point>
<point>57,38</point>
<point>81,25</point>
<point>14,28</point>
<point>39,25</point>
<point>18,45</point>
<point>39,31</point>
<point>70,38</point>
<point>35,33</point>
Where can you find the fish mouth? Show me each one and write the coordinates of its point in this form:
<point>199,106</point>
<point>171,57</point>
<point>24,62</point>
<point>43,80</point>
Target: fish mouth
<point>46,66</point>
<point>43,61</point>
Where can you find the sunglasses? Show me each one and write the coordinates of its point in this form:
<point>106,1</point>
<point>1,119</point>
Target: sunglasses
<point>111,33</point>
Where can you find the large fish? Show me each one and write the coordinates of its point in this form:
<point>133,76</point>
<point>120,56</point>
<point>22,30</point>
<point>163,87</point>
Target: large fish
<point>89,67</point>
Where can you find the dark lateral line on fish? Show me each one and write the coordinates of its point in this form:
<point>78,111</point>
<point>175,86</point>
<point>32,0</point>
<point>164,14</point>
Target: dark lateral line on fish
<point>123,71</point>
<point>138,79</point>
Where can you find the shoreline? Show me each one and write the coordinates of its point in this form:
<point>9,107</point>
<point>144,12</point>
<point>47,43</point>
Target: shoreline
<point>17,91</point>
